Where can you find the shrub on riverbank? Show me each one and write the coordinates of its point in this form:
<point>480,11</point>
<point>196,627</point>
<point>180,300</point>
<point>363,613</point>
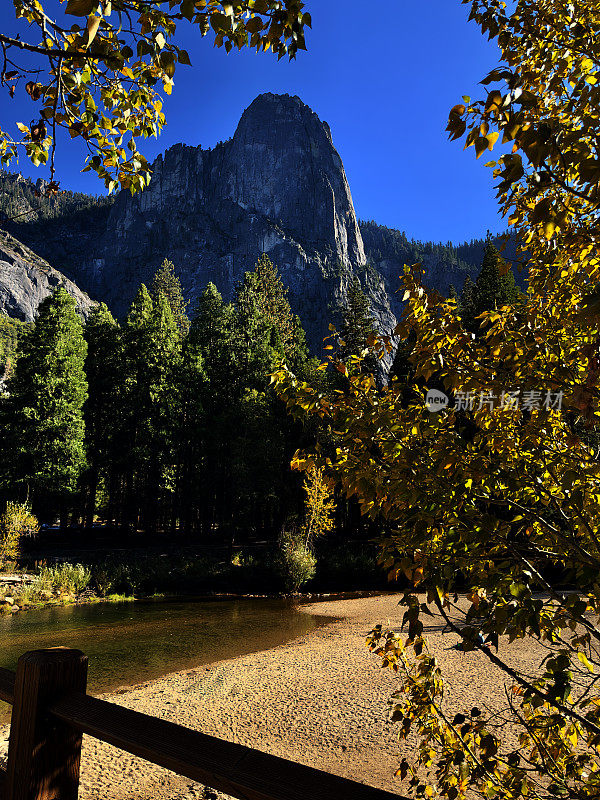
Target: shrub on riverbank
<point>296,561</point>
<point>16,521</point>
<point>59,584</point>
<point>67,578</point>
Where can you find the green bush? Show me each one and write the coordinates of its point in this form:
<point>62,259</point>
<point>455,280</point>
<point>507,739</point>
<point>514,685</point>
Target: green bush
<point>68,578</point>
<point>297,563</point>
<point>31,592</point>
<point>156,574</point>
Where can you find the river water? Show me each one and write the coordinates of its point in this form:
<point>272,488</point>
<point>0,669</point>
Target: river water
<point>132,642</point>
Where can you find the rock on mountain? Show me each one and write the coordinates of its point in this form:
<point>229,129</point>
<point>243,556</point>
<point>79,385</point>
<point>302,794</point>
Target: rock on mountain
<point>278,186</point>
<point>26,279</point>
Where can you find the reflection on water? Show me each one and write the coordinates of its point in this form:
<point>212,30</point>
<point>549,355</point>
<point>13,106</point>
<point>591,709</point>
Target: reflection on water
<point>133,642</point>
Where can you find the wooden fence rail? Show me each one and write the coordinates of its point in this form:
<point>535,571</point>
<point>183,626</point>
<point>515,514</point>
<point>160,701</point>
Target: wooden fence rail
<point>51,711</point>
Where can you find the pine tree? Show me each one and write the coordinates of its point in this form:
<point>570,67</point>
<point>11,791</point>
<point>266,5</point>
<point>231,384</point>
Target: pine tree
<point>152,346</point>
<point>164,403</point>
<point>237,474</point>
<point>495,286</point>
<point>192,418</point>
<point>238,430</point>
<point>210,391</point>
<point>134,434</point>
<point>258,344</point>
<point>140,311</point>
<point>44,425</point>
<point>167,283</point>
<point>275,307</point>
<point>211,337</point>
<point>467,304</point>
<point>267,332</point>
<point>103,407</point>
<point>357,322</point>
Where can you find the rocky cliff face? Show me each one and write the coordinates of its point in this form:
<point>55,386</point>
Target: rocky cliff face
<point>26,279</point>
<point>278,186</point>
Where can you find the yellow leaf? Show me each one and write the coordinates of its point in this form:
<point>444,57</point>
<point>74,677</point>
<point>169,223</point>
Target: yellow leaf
<point>584,660</point>
<point>92,28</point>
<point>573,738</point>
<point>481,145</point>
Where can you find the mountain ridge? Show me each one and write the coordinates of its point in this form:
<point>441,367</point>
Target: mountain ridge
<point>277,186</point>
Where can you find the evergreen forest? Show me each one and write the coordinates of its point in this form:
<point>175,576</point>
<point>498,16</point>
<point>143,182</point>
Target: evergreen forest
<point>166,422</point>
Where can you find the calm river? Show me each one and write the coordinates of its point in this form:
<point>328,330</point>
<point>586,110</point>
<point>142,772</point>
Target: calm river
<point>133,642</point>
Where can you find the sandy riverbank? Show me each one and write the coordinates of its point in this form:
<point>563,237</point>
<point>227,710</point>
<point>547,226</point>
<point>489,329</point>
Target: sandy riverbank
<point>320,700</point>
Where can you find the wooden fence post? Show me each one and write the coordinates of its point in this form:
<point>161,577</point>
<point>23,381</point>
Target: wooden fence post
<point>44,754</point>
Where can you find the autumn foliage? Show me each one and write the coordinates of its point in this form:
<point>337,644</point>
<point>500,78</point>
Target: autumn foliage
<point>496,498</point>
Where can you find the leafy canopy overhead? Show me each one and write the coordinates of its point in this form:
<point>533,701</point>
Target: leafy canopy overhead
<point>94,69</point>
<point>499,492</point>
<point>545,99</point>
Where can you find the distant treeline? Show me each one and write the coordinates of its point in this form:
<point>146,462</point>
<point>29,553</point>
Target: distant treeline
<point>459,261</point>
<point>21,201</point>
<point>382,242</point>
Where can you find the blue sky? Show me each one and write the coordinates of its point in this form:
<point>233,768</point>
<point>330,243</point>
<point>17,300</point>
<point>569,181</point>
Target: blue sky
<point>383,80</point>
